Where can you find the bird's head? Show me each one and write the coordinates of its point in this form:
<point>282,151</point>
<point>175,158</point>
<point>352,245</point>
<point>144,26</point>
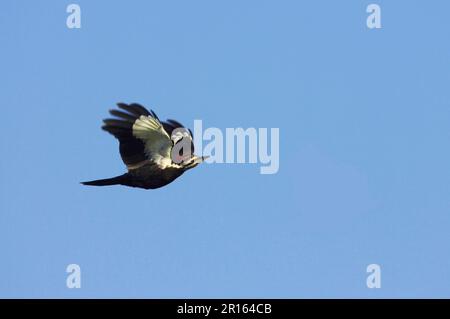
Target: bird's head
<point>183,149</point>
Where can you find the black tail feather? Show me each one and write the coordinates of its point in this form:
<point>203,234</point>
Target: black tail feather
<point>118,180</point>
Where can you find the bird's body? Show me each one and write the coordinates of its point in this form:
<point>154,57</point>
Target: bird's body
<point>155,152</point>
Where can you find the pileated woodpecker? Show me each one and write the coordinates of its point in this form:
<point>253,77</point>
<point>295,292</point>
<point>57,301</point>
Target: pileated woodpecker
<point>151,149</point>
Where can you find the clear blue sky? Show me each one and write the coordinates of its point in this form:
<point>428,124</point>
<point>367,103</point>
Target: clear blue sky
<point>364,149</point>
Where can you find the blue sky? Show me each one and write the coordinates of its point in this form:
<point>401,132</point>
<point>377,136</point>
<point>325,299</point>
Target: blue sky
<point>364,149</point>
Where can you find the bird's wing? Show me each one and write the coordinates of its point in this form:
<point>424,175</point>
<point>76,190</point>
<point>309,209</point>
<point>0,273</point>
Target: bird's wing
<point>141,135</point>
<point>157,142</point>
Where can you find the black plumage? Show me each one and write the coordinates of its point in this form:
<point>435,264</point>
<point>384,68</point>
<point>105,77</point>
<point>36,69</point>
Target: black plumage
<point>146,148</point>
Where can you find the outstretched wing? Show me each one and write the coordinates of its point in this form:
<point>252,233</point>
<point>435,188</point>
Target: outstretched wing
<point>142,136</point>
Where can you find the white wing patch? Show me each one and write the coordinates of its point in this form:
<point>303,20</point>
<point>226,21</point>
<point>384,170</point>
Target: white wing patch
<point>158,144</point>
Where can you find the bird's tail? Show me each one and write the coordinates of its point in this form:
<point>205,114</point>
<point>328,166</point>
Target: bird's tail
<point>118,180</point>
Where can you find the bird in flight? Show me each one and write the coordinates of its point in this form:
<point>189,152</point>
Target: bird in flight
<point>155,152</point>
